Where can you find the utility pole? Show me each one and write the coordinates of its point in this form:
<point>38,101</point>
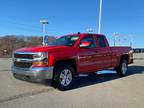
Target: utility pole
<point>100,17</point>
<point>131,40</point>
<point>43,22</point>
<point>116,34</point>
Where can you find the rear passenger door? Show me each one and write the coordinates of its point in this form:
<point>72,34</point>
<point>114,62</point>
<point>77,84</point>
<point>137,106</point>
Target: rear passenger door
<point>104,52</point>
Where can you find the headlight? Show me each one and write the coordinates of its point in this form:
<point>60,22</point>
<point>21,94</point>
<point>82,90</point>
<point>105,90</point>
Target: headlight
<point>40,59</point>
<point>40,56</point>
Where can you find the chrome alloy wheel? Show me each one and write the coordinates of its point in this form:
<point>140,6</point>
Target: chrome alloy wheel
<point>65,77</point>
<point>124,68</point>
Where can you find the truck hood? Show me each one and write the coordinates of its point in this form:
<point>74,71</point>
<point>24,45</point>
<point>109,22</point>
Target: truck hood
<point>42,48</point>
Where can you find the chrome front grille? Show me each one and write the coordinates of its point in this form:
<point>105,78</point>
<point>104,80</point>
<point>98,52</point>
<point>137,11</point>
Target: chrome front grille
<point>23,60</point>
<point>23,64</point>
<point>23,56</point>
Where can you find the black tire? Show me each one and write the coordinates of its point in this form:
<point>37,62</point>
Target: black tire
<point>122,68</point>
<point>66,82</point>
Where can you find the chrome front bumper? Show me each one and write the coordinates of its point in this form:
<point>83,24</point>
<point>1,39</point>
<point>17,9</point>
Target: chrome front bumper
<point>34,73</point>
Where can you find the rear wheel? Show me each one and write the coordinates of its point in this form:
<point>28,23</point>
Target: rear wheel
<point>64,77</point>
<point>122,68</point>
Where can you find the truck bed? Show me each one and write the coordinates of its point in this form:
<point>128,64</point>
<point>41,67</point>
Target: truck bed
<point>118,51</point>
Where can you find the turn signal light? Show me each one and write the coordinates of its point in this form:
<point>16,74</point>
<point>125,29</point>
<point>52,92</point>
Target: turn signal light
<point>40,64</point>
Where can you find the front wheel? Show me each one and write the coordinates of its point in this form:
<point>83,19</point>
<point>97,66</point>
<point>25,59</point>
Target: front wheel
<point>122,68</point>
<point>64,77</point>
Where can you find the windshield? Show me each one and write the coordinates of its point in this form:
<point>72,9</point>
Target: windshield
<point>66,41</point>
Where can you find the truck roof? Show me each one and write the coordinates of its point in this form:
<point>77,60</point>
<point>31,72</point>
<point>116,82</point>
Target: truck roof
<point>75,34</point>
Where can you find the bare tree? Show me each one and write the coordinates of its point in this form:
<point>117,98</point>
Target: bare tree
<point>9,43</point>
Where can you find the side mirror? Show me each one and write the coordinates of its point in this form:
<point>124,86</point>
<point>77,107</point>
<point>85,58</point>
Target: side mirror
<point>85,44</point>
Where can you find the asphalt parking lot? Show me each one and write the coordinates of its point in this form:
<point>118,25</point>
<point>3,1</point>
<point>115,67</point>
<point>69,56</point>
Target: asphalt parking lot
<point>104,91</point>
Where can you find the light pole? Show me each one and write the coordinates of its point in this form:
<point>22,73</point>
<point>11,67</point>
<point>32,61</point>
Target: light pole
<point>100,16</point>
<point>43,22</point>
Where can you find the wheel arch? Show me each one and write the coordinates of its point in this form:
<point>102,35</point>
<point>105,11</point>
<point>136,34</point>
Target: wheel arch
<point>124,57</point>
<point>71,62</point>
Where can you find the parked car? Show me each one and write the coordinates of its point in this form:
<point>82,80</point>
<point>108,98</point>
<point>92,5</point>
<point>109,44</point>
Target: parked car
<point>69,56</point>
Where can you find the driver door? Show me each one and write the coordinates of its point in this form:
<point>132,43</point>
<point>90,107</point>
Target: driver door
<point>86,56</point>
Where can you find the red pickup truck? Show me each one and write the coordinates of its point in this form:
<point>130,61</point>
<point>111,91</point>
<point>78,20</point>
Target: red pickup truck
<point>69,56</point>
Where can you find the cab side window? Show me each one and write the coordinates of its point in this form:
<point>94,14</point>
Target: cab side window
<point>101,41</point>
<point>89,39</point>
